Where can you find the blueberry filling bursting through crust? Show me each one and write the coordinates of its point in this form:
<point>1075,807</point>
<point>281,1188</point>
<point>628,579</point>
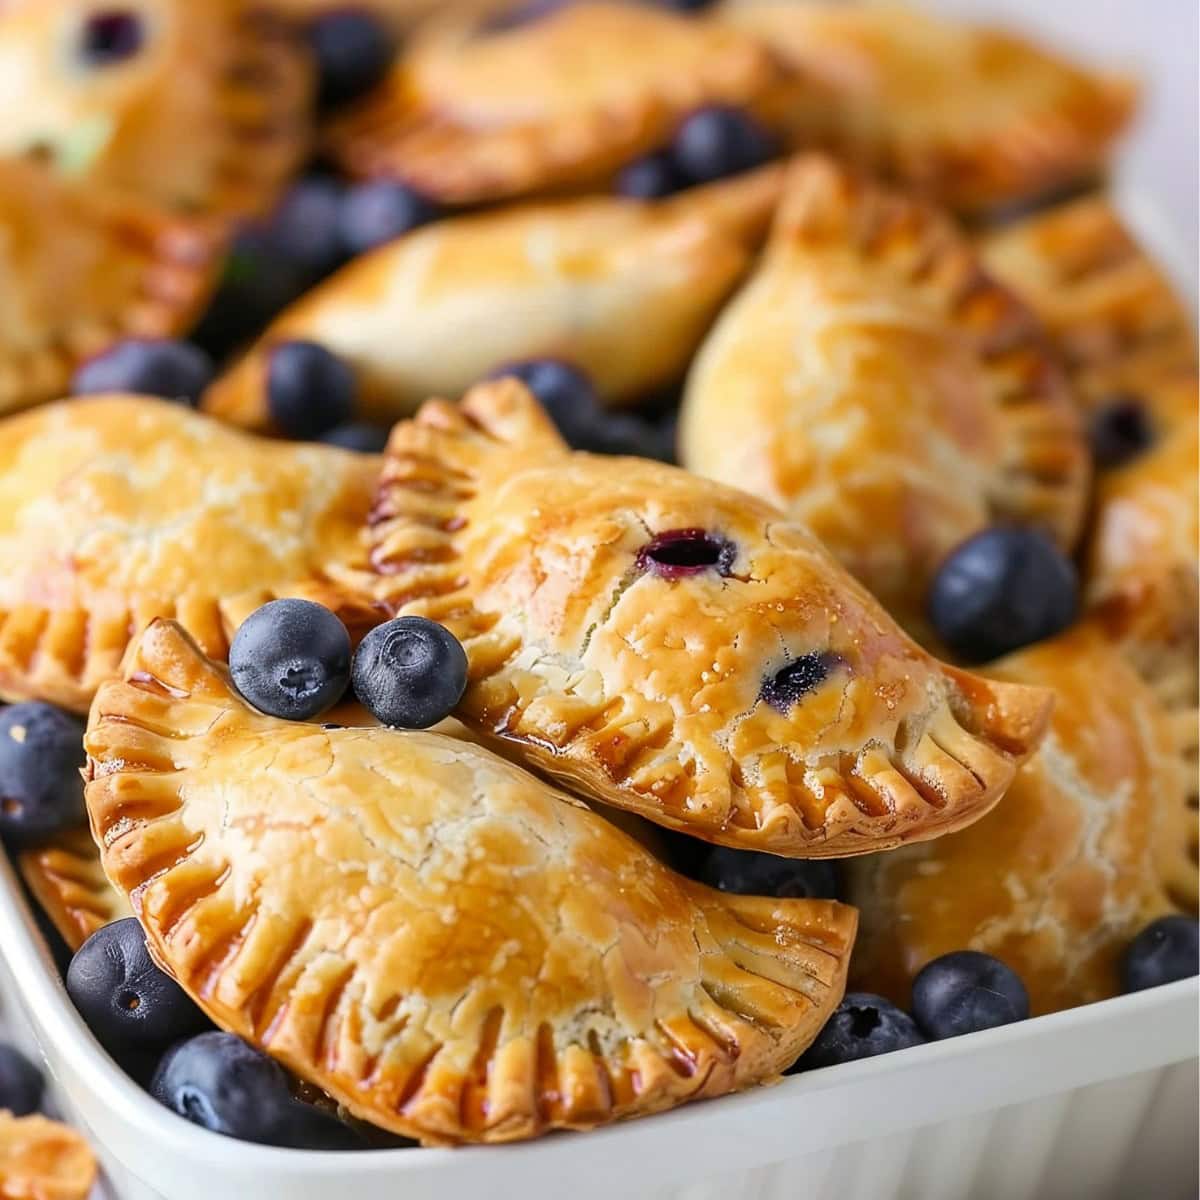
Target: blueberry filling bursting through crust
<point>789,685</point>
<point>111,36</point>
<point>681,552</point>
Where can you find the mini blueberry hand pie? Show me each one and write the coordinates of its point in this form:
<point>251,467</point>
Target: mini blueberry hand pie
<point>80,269</point>
<point>975,117</point>
<point>875,383</point>
<point>623,289</point>
<point>43,1160</point>
<point>448,946</point>
<point>677,648</point>
<point>66,879</point>
<point>1093,840</point>
<point>481,109</point>
<point>119,509</point>
<point>196,105</point>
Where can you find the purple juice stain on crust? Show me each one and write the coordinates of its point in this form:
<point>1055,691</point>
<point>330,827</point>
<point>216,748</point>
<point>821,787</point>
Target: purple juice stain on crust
<point>682,552</point>
<point>790,684</point>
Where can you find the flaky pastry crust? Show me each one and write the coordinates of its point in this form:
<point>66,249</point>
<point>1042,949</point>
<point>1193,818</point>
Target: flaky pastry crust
<point>624,289</point>
<point>210,113</point>
<point>446,945</point>
<point>115,510</point>
<point>43,1160</point>
<point>82,268</point>
<point>975,117</point>
<point>472,113</point>
<point>764,700</point>
<point>871,380</point>
<point>1093,840</point>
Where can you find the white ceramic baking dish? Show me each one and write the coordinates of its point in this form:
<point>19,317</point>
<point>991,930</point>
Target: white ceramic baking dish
<point>1099,1103</point>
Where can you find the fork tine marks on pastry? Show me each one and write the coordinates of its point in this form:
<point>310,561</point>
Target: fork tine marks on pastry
<point>660,693</point>
<point>345,899</point>
<point>66,879</point>
<point>623,289</point>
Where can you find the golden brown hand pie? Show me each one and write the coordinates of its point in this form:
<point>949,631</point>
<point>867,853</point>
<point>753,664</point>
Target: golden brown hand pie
<point>82,268</point>
<point>624,289</point>
<point>448,946</point>
<point>43,1160</point>
<point>1129,345</point>
<point>1093,841</point>
<point>66,879</point>
<point>972,116</point>
<point>472,113</point>
<point>875,383</point>
<point>677,648</point>
<point>196,105</point>
<point>115,510</point>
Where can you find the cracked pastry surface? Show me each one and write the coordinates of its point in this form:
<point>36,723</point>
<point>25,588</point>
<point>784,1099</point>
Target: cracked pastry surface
<point>114,510</point>
<point>207,111</point>
<point>80,269</point>
<point>873,381</point>
<point>623,289</point>
<point>1093,840</point>
<point>43,1160</point>
<point>677,648</point>
<point>472,113</point>
<point>973,116</point>
<point>448,946</point>
<point>67,880</point>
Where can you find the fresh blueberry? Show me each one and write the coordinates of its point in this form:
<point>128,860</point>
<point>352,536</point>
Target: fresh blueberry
<point>752,873</point>
<point>379,212</point>
<point>1166,950</point>
<point>1120,431</point>
<point>567,395</point>
<point>217,1081</point>
<point>111,35</point>
<point>410,672</point>
<point>41,753</point>
<point>718,141</point>
<point>305,227</point>
<point>862,1026</point>
<point>1000,590</point>
<point>21,1083</point>
<point>309,390</point>
<point>258,282</point>
<point>151,367</point>
<point>965,992</point>
<point>650,177</point>
<point>358,435</point>
<point>353,53</point>
<point>128,1002</point>
<point>291,659</point>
